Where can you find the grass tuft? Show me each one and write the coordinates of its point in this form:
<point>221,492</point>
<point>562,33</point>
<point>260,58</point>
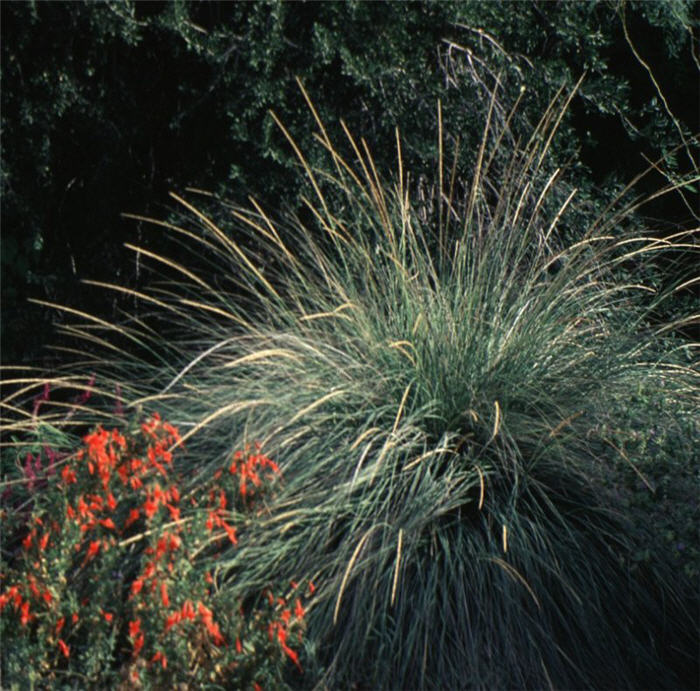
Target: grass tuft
<point>436,377</point>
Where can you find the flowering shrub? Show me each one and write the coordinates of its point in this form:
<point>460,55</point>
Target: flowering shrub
<point>112,572</point>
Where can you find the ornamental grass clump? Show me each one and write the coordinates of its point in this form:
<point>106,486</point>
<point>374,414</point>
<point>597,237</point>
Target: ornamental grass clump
<point>435,378</point>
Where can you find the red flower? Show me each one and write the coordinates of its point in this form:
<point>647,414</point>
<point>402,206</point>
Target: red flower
<point>173,619</point>
<point>212,627</point>
<point>134,628</point>
<point>160,656</point>
<point>27,542</point>
<point>83,509</point>
<point>68,475</point>
<point>210,521</point>
<point>32,586</point>
<point>25,615</point>
<point>164,594</point>
<point>107,615</point>
<point>150,507</point>
<point>132,518</point>
<point>64,648</point>
<point>188,610</point>
<point>291,655</point>
<point>172,431</point>
<point>231,532</point>
<point>4,599</point>
<point>93,549</point>
<point>118,439</point>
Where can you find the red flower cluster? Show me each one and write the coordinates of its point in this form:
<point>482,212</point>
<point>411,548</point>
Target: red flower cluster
<point>250,470</point>
<point>113,488</point>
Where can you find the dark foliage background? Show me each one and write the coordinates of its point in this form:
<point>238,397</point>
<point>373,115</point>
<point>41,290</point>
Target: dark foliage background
<point>106,107</point>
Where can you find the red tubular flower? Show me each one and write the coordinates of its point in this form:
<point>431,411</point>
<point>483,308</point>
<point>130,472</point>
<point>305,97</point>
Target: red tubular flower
<point>231,532</point>
<point>64,648</point>
<point>173,619</point>
<point>150,507</point>
<point>24,612</point>
<point>298,609</point>
<point>59,625</point>
<point>107,615</point>
<point>33,587</point>
<point>27,542</point>
<point>161,547</point>
<point>138,644</point>
<point>133,517</point>
<point>123,472</point>
<point>134,628</point>
<point>96,502</point>
<point>82,507</point>
<point>239,647</point>
<point>188,610</point>
<point>292,656</point>
<point>119,439</point>
<point>160,656</point>
<point>164,594</point>
<point>68,475</point>
<point>107,523</point>
<point>93,549</point>
<point>242,485</point>
<point>172,431</point>
<point>136,586</point>
<point>11,593</point>
<point>212,627</point>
